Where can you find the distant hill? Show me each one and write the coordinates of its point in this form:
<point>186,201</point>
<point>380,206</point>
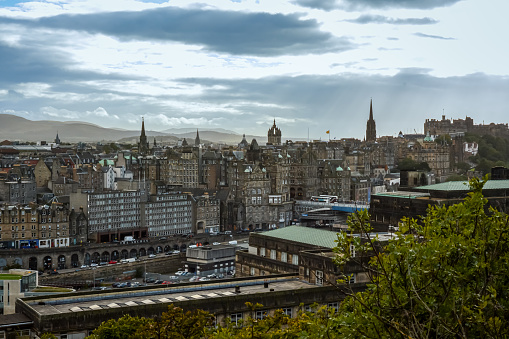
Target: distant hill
<point>14,128</point>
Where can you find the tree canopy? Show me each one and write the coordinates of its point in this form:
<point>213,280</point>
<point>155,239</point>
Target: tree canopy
<point>409,164</point>
<point>446,276</point>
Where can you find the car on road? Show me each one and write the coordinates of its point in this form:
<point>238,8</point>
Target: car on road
<point>93,264</point>
<point>176,252</point>
<point>152,255</point>
<point>215,243</point>
<point>111,262</point>
<point>179,273</point>
<point>194,278</point>
<point>166,282</point>
<point>84,266</point>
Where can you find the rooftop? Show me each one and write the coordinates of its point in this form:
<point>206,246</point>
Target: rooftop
<point>403,194</point>
<point>463,186</point>
<point>305,235</point>
<point>111,299</point>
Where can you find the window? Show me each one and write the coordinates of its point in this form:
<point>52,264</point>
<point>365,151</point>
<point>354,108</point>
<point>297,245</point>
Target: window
<point>319,278</point>
<point>273,254</point>
<point>252,271</point>
<point>295,259</point>
<point>334,306</point>
<point>236,318</point>
<point>259,315</point>
<point>288,311</point>
<point>284,257</point>
<point>352,250</point>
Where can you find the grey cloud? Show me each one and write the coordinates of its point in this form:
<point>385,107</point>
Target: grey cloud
<point>329,5</point>
<point>239,33</point>
<point>422,35</point>
<point>380,19</point>
<point>392,38</point>
<point>35,62</point>
<point>341,102</point>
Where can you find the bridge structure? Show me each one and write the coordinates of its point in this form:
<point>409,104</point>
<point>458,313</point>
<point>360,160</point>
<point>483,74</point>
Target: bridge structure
<point>313,213</point>
<point>304,205</point>
<point>42,259</point>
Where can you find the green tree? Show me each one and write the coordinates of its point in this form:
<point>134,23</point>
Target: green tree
<point>446,276</point>
<point>409,164</point>
<point>125,327</point>
<point>444,139</point>
<point>174,323</point>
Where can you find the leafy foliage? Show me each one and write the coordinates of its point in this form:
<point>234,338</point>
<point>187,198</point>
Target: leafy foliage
<point>444,277</point>
<point>409,164</point>
<point>493,151</point>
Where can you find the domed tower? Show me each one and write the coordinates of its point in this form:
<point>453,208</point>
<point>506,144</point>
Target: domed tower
<point>274,135</point>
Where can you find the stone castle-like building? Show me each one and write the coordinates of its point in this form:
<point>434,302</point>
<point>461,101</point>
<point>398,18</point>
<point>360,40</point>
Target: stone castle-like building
<point>458,127</point>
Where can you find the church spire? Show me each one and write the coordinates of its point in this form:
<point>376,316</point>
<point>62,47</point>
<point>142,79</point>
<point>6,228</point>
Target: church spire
<point>371,110</point>
<point>143,146</point>
<point>142,128</point>
<point>197,139</point>
<point>371,125</point>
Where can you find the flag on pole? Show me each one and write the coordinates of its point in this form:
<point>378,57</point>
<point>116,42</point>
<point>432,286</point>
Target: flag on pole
<point>328,132</point>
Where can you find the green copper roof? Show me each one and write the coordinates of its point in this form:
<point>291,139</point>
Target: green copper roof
<point>463,185</point>
<point>339,169</point>
<point>305,235</point>
<point>107,162</point>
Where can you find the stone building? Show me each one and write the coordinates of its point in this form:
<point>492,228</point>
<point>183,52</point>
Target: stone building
<point>78,227</point>
<point>334,179</point>
<point>274,135</point>
<point>303,174</point>
<point>458,127</point>
<point>18,191</point>
<point>208,214</point>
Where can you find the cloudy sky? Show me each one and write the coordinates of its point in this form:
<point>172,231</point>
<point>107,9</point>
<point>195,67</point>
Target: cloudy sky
<point>313,65</point>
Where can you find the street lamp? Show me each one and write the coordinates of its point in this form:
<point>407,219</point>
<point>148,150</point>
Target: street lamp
<point>93,271</point>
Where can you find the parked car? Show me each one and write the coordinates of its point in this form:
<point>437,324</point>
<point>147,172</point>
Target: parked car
<point>152,255</point>
<point>166,282</point>
<point>216,243</point>
<point>179,273</point>
<point>84,266</point>
<point>176,252</point>
<point>150,280</point>
<point>93,264</point>
<point>194,278</point>
<point>112,262</point>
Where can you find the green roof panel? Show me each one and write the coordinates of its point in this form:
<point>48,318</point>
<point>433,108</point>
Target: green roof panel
<point>305,235</point>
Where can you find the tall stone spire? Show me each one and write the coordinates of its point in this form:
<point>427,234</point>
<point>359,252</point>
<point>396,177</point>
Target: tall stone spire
<point>371,125</point>
<point>197,139</point>
<point>143,145</point>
